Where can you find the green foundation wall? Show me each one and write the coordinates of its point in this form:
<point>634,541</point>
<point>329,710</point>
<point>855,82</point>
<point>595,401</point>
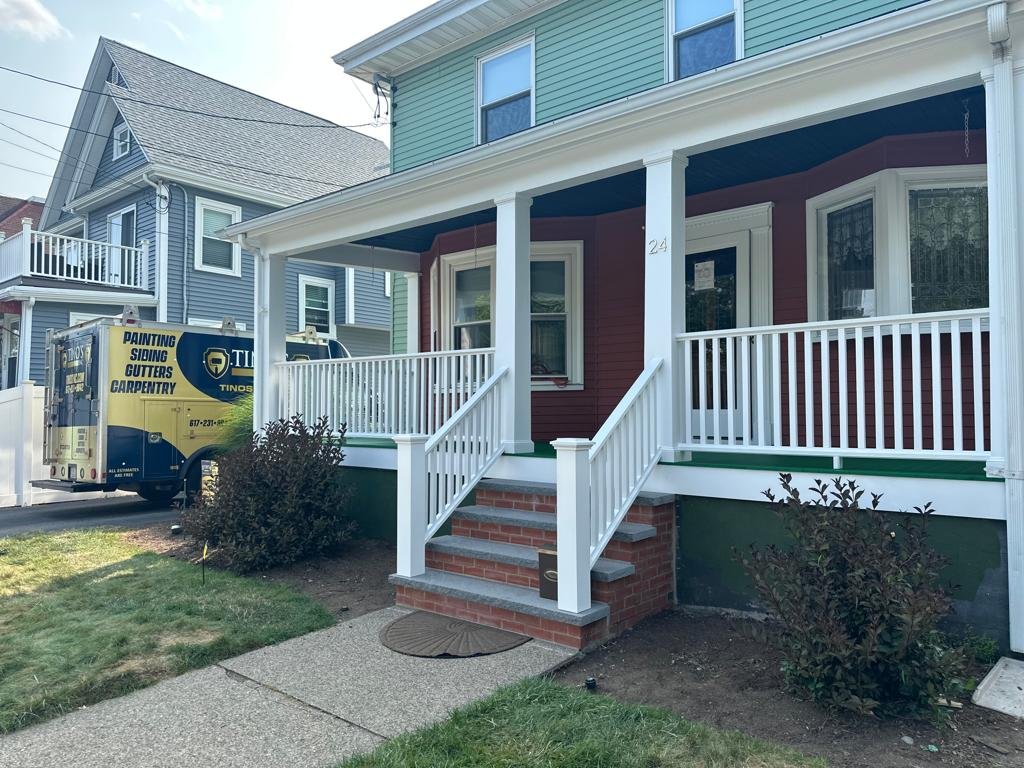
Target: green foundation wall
<point>708,575</point>
<point>373,501</point>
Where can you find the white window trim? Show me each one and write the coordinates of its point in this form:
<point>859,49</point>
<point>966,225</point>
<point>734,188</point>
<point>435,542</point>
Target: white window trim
<point>119,139</point>
<point>306,280</point>
<point>568,251</point>
<point>387,284</point>
<point>889,189</point>
<point>205,322</point>
<point>202,204</point>
<point>135,223</point>
<point>350,295</point>
<point>493,54</point>
<point>671,34</point>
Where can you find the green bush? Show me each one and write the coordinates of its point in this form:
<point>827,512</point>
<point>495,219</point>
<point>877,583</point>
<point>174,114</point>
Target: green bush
<point>236,429</point>
<point>858,598</point>
<point>277,500</point>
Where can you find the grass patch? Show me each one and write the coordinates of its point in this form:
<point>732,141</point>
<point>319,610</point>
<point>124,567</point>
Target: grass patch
<point>540,724</point>
<point>85,616</point>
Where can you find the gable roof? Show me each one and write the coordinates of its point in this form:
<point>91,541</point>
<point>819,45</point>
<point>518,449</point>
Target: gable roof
<point>302,162</point>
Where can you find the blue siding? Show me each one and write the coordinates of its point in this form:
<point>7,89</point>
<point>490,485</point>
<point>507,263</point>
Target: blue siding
<point>373,307</point>
<point>108,168</point>
<point>323,271</point>
<point>361,342</point>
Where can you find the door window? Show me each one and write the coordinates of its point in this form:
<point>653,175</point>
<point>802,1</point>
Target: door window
<point>711,290</point>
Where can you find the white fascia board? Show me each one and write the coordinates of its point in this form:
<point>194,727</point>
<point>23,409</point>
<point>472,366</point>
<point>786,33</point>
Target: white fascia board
<point>361,60</point>
<point>68,225</point>
<point>117,188</point>
<point>81,296</point>
<point>351,255</point>
<point>923,50</point>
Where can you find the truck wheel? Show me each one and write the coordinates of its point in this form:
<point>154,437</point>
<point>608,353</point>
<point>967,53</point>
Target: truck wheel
<point>159,493</point>
<point>193,483</point>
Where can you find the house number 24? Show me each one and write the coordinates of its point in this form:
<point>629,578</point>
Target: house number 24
<point>657,246</point>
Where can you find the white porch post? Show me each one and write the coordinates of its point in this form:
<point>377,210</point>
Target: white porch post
<point>512,318</point>
<point>665,283</point>
<point>411,481</point>
<point>572,475</point>
<point>412,320</point>
<point>269,344</point>
<point>26,246</point>
<point>25,341</point>
<point>1004,99</point>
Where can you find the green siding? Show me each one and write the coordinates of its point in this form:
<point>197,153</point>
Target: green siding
<point>399,314</point>
<point>587,53</point>
<point>770,24</point>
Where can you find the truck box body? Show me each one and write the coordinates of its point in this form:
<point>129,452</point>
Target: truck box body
<point>136,404</point>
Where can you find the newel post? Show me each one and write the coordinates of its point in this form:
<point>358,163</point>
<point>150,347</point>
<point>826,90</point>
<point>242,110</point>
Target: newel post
<point>572,477</point>
<point>412,504</point>
<point>26,246</point>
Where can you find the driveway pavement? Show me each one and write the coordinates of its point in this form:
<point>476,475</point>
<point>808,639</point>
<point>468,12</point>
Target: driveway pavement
<point>83,513</point>
<point>311,701</point>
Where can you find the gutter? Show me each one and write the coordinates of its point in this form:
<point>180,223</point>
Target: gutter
<point>682,95</point>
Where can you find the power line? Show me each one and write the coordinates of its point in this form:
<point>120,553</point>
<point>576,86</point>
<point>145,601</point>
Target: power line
<point>28,149</point>
<point>186,110</point>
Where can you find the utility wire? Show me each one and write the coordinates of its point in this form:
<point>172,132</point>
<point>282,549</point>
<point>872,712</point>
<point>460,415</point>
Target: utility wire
<point>186,110</point>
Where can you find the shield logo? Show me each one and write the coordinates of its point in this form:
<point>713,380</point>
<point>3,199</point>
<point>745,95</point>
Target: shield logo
<point>216,361</point>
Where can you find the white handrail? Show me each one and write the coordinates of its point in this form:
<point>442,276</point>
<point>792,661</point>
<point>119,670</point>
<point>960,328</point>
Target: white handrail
<point>459,454</point>
<point>61,257</point>
<point>912,386</point>
<point>624,453</point>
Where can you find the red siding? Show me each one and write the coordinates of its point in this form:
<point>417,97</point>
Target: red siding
<point>613,268</point>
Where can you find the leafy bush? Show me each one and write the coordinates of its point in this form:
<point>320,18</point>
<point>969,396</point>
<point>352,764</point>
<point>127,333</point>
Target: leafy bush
<point>277,500</point>
<point>981,649</point>
<point>859,598</point>
<point>236,429</point>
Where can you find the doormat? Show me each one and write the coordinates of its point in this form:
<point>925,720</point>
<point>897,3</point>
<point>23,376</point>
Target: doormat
<point>433,636</point>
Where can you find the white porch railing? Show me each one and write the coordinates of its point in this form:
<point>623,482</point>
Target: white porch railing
<point>384,396</point>
<point>42,254</point>
<point>914,386</point>
<point>436,474</point>
<point>598,481</point>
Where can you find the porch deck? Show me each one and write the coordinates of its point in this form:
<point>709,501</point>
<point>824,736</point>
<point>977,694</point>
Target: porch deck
<point>34,254</point>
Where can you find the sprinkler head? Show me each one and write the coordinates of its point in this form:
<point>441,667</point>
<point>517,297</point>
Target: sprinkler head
<point>591,683</point>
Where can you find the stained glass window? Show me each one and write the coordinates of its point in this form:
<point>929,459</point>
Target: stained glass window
<point>850,251</point>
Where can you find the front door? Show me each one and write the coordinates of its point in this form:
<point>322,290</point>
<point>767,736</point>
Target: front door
<point>717,299</point>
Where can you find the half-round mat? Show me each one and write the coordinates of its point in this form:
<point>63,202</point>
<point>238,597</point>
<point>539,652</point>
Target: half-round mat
<point>430,635</point>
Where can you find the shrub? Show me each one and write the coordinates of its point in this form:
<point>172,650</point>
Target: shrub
<point>858,598</point>
<point>277,500</point>
<point>236,429</point>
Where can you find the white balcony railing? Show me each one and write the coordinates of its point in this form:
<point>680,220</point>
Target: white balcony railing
<point>915,386</point>
<point>384,396</point>
<point>42,254</point>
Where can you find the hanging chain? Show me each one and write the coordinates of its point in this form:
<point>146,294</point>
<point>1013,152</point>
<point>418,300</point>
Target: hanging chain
<point>967,128</point>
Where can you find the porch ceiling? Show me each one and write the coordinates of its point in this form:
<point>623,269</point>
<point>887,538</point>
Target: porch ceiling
<point>769,157</point>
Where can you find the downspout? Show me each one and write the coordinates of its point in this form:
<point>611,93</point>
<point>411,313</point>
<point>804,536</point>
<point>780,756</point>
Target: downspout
<point>163,202</point>
<point>164,287</point>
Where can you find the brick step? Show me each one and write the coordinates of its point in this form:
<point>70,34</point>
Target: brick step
<point>541,497</point>
<point>509,563</point>
<point>517,609</point>
<point>528,528</point>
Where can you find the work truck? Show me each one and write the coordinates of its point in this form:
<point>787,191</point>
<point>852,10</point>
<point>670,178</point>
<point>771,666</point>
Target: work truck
<point>138,405</point>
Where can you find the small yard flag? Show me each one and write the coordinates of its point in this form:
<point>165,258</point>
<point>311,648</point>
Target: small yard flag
<point>206,546</point>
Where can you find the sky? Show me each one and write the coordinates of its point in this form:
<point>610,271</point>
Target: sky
<point>281,50</point>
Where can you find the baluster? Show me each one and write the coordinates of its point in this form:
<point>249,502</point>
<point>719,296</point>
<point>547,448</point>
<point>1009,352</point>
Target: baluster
<point>915,350</point>
<point>794,432</point>
<point>716,386</point>
<point>957,380</point>
<point>777,388</point>
<point>730,388</point>
<point>826,389</point>
<point>702,382</point>
<point>688,391</point>
<point>745,385</point>
<point>762,402</point>
<point>979,393</point>
<point>844,394</point>
<point>809,440</point>
<point>897,386</point>
<point>936,387</point>
<point>876,354</point>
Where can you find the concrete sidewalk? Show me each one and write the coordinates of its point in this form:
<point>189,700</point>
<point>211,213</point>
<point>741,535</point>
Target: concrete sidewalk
<point>311,701</point>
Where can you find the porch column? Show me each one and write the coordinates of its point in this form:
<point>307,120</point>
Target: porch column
<point>1004,99</point>
<point>25,342</point>
<point>412,320</point>
<point>269,344</point>
<point>665,284</point>
<point>512,318</point>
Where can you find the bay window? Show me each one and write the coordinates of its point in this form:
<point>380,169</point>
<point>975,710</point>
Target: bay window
<point>465,293</point>
<point>897,242</point>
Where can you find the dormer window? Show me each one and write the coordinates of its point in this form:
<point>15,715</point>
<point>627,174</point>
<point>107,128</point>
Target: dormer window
<point>505,88</point>
<point>704,35</point>
<point>122,140</point>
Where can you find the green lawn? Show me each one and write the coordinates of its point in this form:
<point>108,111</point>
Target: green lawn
<point>540,724</point>
<point>85,616</point>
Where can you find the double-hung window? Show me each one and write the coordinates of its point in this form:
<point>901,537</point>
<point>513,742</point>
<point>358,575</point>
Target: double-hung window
<point>212,253</point>
<point>556,308</point>
<point>898,242</point>
<point>505,88</point>
<point>704,35</point>
<point>316,305</point>
<point>122,141</point>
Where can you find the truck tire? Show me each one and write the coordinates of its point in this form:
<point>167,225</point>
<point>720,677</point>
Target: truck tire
<point>160,494</point>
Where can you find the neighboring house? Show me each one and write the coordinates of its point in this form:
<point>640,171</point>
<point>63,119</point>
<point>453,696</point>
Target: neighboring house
<point>716,240</point>
<point>141,193</point>
<point>14,211</point>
